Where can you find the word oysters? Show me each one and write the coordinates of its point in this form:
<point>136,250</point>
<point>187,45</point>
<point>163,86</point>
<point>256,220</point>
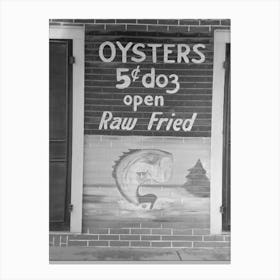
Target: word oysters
<point>108,52</point>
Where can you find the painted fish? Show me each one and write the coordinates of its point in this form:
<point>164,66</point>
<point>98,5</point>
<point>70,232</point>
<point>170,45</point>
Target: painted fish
<point>138,167</point>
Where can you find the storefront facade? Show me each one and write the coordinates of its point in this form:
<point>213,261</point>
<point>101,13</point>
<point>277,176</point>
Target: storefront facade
<point>140,152</point>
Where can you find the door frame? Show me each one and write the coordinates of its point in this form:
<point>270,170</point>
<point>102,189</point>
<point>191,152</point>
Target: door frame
<point>77,35</point>
<point>221,38</point>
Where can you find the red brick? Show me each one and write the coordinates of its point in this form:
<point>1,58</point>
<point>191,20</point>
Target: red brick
<point>62,20</point>
<point>108,237</point>
<point>147,21</point>
<point>157,28</point>
<point>211,244</point>
<point>213,238</point>
<point>77,243</point>
<point>161,244</point>
<point>199,29</point>
<point>180,28</point>
<point>130,237</point>
<point>119,231</point>
<point>161,231</point>
<point>140,243</point>
<point>181,244</point>
<point>119,243</point>
<point>189,22</point>
<point>182,237</point>
<point>115,27</point>
<point>150,237</point>
<point>105,21</point>
<point>84,20</point>
<point>168,21</point>
<point>98,243</point>
<point>134,27</point>
<point>126,20</point>
<point>140,231</point>
<point>83,237</point>
<point>209,22</point>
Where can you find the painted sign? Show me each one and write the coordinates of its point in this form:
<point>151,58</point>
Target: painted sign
<point>148,86</point>
<point>147,126</point>
<point>126,76</point>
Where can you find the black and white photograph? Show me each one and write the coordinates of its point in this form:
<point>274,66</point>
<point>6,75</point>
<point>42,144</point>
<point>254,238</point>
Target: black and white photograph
<point>139,140</point>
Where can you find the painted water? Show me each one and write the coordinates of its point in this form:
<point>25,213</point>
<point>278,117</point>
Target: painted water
<point>104,203</point>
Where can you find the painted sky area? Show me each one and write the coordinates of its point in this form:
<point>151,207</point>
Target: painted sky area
<point>101,151</point>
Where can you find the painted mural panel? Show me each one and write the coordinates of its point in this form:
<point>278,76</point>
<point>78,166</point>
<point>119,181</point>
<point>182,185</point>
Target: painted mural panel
<point>159,179</point>
<point>148,126</point>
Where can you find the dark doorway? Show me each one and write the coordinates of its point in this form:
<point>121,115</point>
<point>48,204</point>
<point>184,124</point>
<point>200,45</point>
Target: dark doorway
<point>226,145</point>
<point>60,124</point>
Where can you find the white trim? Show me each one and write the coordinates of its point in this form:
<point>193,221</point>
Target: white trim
<point>76,33</point>
<point>221,37</point>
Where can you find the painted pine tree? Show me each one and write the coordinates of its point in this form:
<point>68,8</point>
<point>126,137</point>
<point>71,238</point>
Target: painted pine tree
<point>197,182</point>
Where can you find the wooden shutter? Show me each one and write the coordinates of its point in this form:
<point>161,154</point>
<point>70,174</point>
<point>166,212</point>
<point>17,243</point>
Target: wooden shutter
<point>60,87</point>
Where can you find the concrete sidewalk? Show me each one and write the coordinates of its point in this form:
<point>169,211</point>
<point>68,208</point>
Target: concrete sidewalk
<point>141,255</point>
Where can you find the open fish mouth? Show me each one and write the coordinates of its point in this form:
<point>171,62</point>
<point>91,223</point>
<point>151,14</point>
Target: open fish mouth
<point>138,167</point>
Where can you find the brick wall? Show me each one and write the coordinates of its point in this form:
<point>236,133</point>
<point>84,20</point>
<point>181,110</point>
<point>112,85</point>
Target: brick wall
<point>153,25</point>
<point>143,237</point>
<point>197,94</point>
